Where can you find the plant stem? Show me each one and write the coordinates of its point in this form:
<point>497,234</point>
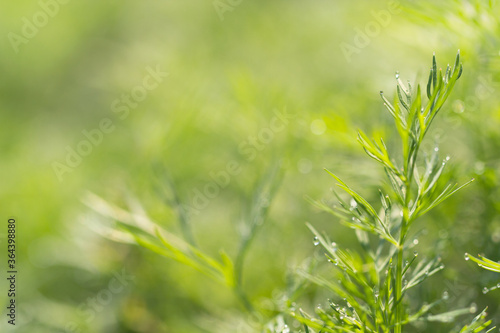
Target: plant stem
<point>398,295</point>
<point>398,289</point>
<point>238,272</point>
<point>244,299</point>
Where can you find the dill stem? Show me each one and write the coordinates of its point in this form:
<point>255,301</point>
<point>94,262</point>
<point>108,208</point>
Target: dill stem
<point>398,288</point>
<point>398,295</point>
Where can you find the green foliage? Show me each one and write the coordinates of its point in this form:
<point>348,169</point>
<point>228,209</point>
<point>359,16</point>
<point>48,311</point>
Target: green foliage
<point>225,79</point>
<point>373,286</point>
<point>134,226</point>
<point>484,262</point>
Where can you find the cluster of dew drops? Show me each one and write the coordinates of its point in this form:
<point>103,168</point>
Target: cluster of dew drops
<point>316,242</point>
<point>445,296</point>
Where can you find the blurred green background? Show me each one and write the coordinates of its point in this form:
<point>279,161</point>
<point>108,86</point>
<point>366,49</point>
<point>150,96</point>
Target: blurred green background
<point>231,66</point>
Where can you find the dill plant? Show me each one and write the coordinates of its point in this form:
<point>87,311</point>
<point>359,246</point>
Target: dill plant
<point>373,285</point>
<point>487,264</point>
<point>132,225</point>
<point>484,262</point>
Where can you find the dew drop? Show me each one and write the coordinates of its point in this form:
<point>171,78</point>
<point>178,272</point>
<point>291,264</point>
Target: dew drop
<point>446,295</point>
<point>354,204</point>
<point>436,149</point>
<point>316,241</point>
<point>415,253</point>
<point>334,245</point>
<point>397,75</point>
<point>473,308</point>
<point>485,290</point>
<point>286,329</point>
<point>466,256</point>
<point>415,241</point>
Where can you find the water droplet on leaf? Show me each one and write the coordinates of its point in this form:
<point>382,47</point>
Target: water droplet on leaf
<point>354,204</point>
